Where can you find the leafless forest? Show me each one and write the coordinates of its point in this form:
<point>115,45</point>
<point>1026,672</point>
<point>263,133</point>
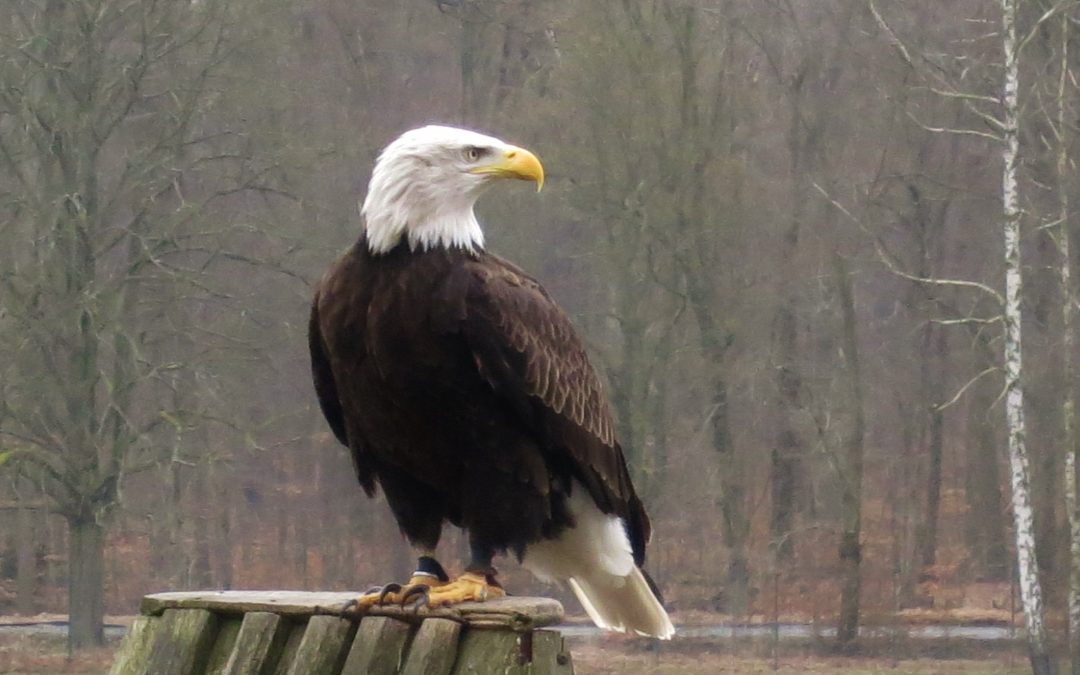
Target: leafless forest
<point>783,227</point>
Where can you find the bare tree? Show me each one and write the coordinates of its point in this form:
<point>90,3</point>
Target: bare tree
<point>802,65</point>
<point>107,141</point>
<point>1004,128</point>
<point>1030,588</point>
<point>1061,131</point>
<point>850,469</point>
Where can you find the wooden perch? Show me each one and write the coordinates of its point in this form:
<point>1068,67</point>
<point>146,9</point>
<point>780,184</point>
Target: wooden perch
<point>292,633</point>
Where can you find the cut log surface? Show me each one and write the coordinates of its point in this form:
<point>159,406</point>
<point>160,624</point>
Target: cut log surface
<point>510,612</point>
<point>296,633</point>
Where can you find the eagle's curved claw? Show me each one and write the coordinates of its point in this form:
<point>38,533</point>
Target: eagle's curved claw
<point>414,591</point>
<point>418,595</point>
<point>387,590</point>
<point>376,595</point>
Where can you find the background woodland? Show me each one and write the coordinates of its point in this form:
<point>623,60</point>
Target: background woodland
<point>778,226</point>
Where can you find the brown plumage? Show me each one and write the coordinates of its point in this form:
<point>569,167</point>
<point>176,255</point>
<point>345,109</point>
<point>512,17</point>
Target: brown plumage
<point>428,364</point>
<point>463,391</point>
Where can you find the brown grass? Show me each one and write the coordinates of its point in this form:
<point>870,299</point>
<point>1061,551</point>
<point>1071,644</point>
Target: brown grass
<point>603,660</point>
<point>46,655</point>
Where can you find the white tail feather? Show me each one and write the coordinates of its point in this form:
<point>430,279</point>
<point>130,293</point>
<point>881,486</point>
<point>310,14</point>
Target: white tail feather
<point>595,557</point>
<point>623,603</point>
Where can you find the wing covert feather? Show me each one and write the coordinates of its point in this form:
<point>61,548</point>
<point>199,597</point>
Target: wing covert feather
<point>524,344</point>
<point>557,369</point>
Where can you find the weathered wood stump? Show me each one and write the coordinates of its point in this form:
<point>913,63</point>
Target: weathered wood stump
<point>291,633</point>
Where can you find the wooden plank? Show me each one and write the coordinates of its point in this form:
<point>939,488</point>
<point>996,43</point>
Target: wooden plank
<point>286,603</point>
<point>193,632</point>
<point>550,655</point>
<point>541,652</point>
<point>323,647</point>
<point>183,642</point>
<point>295,633</point>
<point>494,651</point>
<point>134,654</point>
<point>434,649</point>
<point>223,646</point>
<point>516,613</point>
<point>261,639</point>
<point>379,647</point>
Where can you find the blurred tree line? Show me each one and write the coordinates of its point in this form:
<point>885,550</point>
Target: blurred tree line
<point>750,211</point>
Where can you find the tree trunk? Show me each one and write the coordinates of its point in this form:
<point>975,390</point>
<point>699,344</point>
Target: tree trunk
<point>903,498</point>
<point>736,527</point>
<point>935,348</point>
<point>787,449</point>
<point>222,527</point>
<point>174,566</point>
<point>851,467</point>
<point>630,383</point>
<point>25,562</point>
<point>1023,515</point>
<point>736,524</point>
<point>201,570</point>
<point>1067,345</point>
<point>56,542</point>
<point>850,558</point>
<point>986,508</point>
<point>86,583</point>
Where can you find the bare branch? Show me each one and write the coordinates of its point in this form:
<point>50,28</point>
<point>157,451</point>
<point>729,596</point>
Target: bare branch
<point>1050,13</point>
<point>968,321</point>
<point>959,132</point>
<point>950,93</point>
<point>891,264</point>
<point>893,39</point>
<point>956,397</point>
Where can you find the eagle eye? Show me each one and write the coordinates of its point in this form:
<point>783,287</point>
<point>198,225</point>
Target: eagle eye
<point>474,152</point>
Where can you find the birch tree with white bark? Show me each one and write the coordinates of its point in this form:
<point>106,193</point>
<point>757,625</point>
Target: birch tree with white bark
<point>1023,513</point>
<point>998,118</point>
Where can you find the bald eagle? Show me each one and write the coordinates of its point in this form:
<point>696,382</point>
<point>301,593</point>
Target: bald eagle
<point>463,391</point>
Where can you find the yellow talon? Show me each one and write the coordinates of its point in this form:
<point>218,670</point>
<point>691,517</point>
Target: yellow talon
<point>393,594</point>
<point>469,587</point>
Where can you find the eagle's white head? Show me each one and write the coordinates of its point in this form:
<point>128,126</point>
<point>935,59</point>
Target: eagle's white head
<point>426,182</point>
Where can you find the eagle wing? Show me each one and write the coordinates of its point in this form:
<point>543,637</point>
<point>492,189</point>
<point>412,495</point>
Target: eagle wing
<point>527,350</point>
<point>323,376</point>
<point>327,392</point>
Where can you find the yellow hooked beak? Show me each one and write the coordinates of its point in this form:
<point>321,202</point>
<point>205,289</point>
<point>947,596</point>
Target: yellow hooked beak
<point>517,163</point>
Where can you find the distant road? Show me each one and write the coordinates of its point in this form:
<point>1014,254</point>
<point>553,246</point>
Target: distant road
<point>784,631</point>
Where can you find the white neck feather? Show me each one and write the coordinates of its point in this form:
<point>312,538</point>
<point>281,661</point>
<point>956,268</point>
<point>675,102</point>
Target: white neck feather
<point>424,228</point>
<point>460,230</point>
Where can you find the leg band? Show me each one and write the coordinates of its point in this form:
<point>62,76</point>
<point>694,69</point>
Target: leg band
<point>430,567</point>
